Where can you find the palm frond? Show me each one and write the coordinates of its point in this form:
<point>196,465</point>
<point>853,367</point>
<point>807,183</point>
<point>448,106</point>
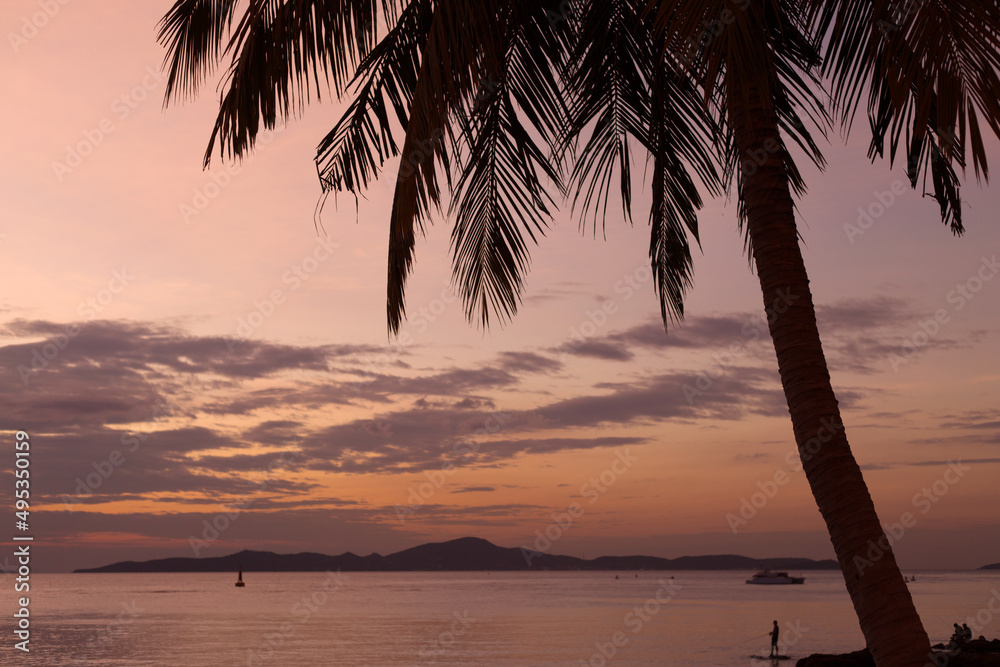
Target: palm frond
<point>681,135</point>
<point>352,153</point>
<point>609,77</point>
<point>284,53</point>
<point>500,196</point>
<point>193,31</point>
<point>627,87</point>
<point>730,50</point>
<point>449,68</point>
<point>930,70</point>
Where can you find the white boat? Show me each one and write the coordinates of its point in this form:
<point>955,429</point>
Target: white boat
<point>767,577</point>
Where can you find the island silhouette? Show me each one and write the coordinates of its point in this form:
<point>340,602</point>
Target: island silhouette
<point>462,554</point>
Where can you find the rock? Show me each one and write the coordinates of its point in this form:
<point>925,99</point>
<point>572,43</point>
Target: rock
<point>975,660</point>
<point>982,645</point>
<point>977,653</point>
<point>857,659</point>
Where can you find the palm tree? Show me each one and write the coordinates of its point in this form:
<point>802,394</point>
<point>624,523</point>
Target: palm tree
<point>928,69</point>
<point>510,100</point>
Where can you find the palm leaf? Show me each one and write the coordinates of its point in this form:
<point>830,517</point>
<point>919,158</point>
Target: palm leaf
<point>500,196</point>
<point>284,53</point>
<point>609,77</point>
<point>681,135</point>
<point>193,32</point>
<point>715,45</point>
<point>351,154</point>
<point>930,69</point>
<point>449,66</point>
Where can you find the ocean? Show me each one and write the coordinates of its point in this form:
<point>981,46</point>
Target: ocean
<point>366,619</point>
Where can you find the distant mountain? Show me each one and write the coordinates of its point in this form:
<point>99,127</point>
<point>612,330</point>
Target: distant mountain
<point>994,566</point>
<point>463,554</point>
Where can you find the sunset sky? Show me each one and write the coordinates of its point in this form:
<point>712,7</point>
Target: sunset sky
<point>184,330</point>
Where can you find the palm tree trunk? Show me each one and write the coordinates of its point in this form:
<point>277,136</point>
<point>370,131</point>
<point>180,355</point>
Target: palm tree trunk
<point>888,619</point>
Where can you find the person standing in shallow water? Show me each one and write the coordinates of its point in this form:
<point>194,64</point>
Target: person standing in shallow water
<point>774,639</point>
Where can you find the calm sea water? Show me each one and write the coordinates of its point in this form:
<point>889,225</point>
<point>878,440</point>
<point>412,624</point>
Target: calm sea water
<point>511,619</point>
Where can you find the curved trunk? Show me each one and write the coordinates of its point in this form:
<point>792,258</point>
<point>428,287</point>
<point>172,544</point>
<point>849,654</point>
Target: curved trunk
<point>888,619</point>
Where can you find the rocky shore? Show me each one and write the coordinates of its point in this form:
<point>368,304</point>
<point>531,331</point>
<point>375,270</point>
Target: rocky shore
<point>977,653</point>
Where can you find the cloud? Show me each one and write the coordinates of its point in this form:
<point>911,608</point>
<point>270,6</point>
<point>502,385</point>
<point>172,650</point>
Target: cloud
<point>859,335</point>
<point>528,362</point>
<point>864,335</point>
<point>192,422</point>
<point>703,332</point>
<point>892,465</point>
<point>756,456</point>
<point>79,376</point>
<point>145,347</point>
<point>863,314</point>
<point>973,419</point>
<point>597,349</point>
<point>275,431</point>
<point>559,292</point>
<point>112,465</point>
<point>428,436</point>
<point>428,439</point>
<point>735,392</point>
<point>453,382</point>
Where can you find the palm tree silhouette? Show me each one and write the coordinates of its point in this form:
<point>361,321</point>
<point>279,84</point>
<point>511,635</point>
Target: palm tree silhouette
<point>510,100</point>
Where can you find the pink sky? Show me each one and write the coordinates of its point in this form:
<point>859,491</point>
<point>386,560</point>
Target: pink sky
<point>158,262</point>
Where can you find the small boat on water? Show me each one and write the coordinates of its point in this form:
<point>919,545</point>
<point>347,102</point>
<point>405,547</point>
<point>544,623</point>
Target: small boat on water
<point>767,577</point>
<point>239,577</point>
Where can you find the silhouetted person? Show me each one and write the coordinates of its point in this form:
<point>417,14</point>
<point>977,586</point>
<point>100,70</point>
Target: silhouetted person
<point>967,632</point>
<point>958,637</point>
<point>774,639</point>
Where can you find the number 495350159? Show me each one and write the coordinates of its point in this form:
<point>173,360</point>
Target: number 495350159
<point>22,485</point>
